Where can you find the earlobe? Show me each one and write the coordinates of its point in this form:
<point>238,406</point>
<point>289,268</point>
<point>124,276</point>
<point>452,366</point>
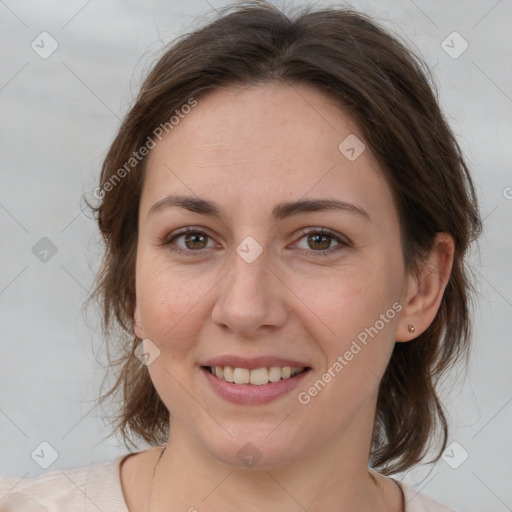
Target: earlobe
<point>425,290</point>
<point>137,324</point>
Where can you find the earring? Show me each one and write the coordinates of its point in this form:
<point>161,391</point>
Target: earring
<point>411,328</point>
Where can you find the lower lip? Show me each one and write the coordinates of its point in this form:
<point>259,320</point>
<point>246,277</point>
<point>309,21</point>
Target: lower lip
<point>250,394</point>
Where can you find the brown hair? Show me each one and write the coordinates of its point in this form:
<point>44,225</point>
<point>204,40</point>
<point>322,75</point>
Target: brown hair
<point>385,88</point>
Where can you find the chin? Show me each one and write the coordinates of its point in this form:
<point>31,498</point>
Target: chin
<point>253,451</point>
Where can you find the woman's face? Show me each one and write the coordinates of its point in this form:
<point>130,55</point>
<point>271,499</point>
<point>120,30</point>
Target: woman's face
<point>257,284</point>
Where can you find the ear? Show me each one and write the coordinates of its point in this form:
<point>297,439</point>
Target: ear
<point>425,289</point>
<point>137,324</point>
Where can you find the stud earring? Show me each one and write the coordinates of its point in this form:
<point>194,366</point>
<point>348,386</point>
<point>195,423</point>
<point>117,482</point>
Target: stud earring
<point>411,328</point>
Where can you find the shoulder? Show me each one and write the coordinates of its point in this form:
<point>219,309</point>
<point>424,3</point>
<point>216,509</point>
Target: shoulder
<point>81,490</point>
<point>417,502</point>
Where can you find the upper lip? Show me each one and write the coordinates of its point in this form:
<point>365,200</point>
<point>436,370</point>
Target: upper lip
<point>256,362</point>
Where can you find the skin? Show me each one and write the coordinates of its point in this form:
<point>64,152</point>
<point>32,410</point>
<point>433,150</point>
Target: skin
<point>247,149</point>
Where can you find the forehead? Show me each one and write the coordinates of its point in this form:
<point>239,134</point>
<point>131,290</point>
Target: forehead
<point>274,122</point>
<point>264,143</point>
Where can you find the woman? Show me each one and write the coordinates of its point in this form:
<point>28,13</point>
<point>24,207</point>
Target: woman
<point>286,216</point>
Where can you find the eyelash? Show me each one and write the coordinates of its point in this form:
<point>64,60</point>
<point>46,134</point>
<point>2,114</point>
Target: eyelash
<point>194,231</point>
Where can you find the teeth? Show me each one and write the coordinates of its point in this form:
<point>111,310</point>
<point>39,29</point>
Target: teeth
<point>257,376</point>
<point>274,374</point>
<point>227,371</point>
<point>241,376</point>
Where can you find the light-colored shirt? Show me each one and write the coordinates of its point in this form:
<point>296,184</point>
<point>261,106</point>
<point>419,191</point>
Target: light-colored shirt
<point>98,487</point>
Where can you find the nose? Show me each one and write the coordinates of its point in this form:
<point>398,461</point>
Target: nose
<point>251,298</point>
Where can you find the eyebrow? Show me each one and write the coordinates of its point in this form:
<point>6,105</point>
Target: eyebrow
<point>279,212</point>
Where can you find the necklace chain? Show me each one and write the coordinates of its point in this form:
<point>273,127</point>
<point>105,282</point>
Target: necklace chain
<point>153,477</point>
<point>165,447</point>
<point>401,493</point>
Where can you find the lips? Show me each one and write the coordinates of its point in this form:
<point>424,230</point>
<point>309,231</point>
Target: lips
<point>251,394</point>
<point>253,381</point>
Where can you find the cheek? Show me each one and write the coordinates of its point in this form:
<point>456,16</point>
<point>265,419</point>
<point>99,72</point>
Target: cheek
<point>344,302</point>
<point>356,354</point>
<point>355,314</point>
<point>171,304</point>
<point>171,301</point>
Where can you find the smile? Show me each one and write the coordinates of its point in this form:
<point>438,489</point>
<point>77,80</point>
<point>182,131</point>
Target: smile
<point>253,386</point>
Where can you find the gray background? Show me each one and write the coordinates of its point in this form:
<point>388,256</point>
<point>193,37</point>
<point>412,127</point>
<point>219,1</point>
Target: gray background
<point>58,117</point>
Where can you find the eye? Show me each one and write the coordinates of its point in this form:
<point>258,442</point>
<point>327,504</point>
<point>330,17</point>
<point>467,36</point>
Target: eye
<point>320,241</point>
<point>192,240</point>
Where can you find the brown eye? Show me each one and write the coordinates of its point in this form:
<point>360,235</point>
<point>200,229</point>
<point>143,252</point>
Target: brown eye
<point>188,241</point>
<point>319,242</point>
